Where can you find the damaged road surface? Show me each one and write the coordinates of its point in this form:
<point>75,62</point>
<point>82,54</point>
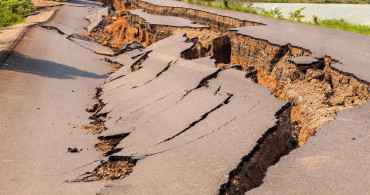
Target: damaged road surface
<point>45,85</point>
<point>182,99</point>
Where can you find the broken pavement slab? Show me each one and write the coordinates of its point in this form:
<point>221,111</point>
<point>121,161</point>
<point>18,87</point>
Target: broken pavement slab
<point>320,41</point>
<point>334,161</point>
<point>166,20</point>
<point>348,48</point>
<point>157,145</point>
<point>241,121</point>
<point>163,111</point>
<point>304,60</point>
<point>96,18</point>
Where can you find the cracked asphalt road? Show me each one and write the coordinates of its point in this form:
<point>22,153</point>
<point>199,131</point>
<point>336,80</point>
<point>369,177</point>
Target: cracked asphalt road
<point>48,80</point>
<point>187,138</point>
<point>186,122</point>
<point>45,85</point>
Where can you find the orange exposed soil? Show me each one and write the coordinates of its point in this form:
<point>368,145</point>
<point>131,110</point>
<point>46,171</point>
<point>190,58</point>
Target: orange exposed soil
<point>113,170</point>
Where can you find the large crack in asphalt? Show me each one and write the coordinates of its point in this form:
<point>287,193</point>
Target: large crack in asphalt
<point>161,72</point>
<point>202,83</point>
<point>276,142</point>
<point>108,143</point>
<point>137,64</point>
<point>116,167</point>
<point>204,116</point>
<point>53,28</point>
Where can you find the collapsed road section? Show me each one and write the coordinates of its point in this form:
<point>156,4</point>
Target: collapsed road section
<point>191,95</point>
<point>199,101</point>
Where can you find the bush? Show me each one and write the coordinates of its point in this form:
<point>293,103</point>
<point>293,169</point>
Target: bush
<point>12,11</point>
<point>296,15</point>
<point>8,18</point>
<point>315,20</point>
<point>273,13</point>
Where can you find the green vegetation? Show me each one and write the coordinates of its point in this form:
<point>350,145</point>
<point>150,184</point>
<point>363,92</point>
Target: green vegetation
<point>295,16</point>
<point>342,25</point>
<point>13,11</point>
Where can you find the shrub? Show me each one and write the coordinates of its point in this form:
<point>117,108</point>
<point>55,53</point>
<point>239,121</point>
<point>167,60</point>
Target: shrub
<point>8,18</point>
<point>273,13</point>
<point>296,15</point>
<point>315,20</point>
<point>12,11</point>
<point>19,7</point>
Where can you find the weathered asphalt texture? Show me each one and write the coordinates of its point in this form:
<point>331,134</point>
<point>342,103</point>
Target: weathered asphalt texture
<point>45,85</point>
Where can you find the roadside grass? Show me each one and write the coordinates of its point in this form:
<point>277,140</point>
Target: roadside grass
<point>343,25</point>
<point>13,11</point>
<point>295,16</point>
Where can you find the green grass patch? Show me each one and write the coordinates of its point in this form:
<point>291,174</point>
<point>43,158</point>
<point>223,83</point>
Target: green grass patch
<point>295,16</point>
<point>13,11</point>
<point>343,25</point>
